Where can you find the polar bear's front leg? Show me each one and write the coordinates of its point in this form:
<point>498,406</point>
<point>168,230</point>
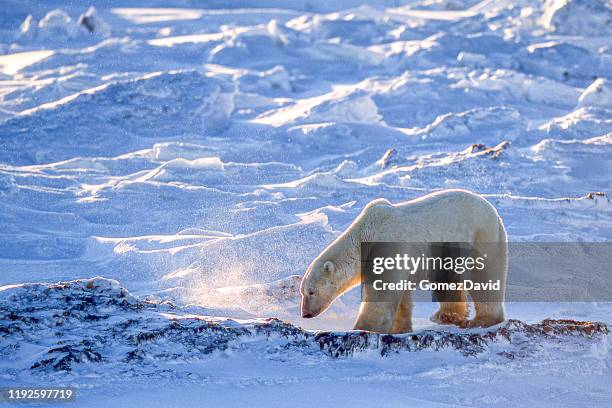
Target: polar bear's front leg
<point>403,315</point>
<point>376,317</point>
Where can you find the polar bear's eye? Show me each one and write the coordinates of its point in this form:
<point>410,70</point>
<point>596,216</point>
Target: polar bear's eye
<point>311,293</point>
<point>329,267</point>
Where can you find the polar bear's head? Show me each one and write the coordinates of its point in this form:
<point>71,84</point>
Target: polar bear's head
<point>332,273</point>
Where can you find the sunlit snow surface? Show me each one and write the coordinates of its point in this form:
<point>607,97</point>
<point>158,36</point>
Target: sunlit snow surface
<point>207,155</point>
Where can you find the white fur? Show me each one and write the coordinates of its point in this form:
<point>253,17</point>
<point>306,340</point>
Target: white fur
<point>444,216</point>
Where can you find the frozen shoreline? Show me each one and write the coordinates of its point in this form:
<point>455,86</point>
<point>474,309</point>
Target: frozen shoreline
<point>95,336</point>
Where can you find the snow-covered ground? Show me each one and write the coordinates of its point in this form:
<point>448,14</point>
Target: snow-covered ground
<point>203,153</point>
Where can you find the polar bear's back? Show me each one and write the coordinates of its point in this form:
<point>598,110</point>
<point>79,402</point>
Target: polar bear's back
<point>443,197</point>
<point>446,215</point>
<point>448,200</point>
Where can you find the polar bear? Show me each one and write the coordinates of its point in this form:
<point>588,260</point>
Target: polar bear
<point>443,216</point>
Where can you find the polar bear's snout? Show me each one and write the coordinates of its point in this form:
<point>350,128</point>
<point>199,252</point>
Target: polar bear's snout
<point>305,313</point>
<point>309,309</point>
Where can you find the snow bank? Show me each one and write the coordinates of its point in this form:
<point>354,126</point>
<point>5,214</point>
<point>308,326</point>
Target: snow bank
<point>140,110</point>
<point>57,24</point>
<point>599,94</point>
<point>58,27</point>
<point>87,327</point>
<point>577,17</point>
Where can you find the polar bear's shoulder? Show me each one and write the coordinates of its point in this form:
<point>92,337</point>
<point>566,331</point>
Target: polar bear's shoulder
<point>379,206</point>
<point>378,203</point>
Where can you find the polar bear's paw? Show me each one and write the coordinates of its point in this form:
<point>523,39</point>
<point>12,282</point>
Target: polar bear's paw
<point>450,317</point>
<point>481,322</point>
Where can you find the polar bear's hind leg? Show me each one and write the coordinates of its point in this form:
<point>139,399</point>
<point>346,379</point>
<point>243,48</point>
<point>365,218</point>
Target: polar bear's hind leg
<point>489,306</point>
<point>487,314</point>
<point>452,312</point>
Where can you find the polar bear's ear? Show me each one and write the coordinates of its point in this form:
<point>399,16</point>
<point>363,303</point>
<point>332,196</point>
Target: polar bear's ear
<point>329,267</point>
